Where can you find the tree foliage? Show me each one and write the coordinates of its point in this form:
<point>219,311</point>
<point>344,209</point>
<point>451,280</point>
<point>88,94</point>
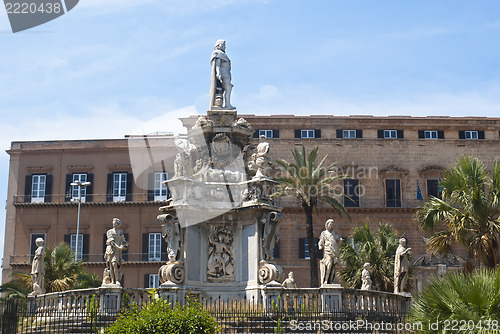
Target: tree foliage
<point>471,301</point>
<point>312,184</point>
<point>468,212</point>
<point>377,248</point>
<point>61,273</point>
<point>160,317</point>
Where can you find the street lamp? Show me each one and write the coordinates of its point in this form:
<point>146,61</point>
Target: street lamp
<point>80,185</point>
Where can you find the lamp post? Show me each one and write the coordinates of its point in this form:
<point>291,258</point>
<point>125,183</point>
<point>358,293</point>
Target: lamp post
<point>80,185</point>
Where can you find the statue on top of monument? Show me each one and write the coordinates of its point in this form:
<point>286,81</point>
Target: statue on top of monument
<point>220,79</point>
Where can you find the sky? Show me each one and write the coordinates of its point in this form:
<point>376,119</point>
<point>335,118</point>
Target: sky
<point>108,66</point>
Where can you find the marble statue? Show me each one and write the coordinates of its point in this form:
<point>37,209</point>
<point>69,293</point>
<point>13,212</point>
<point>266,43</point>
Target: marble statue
<point>38,268</point>
<point>270,233</point>
<point>329,242</point>
<point>183,163</point>
<point>171,233</point>
<point>366,278</point>
<point>171,273</point>
<point>220,79</point>
<point>290,283</point>
<point>115,244</point>
<point>260,160</point>
<point>220,253</point>
<point>401,264</point>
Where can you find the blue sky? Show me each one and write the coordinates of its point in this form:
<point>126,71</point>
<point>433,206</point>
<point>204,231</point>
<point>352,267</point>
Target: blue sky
<point>108,66</point>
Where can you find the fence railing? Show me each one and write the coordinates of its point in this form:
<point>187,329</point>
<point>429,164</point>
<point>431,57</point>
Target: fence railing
<point>92,310</point>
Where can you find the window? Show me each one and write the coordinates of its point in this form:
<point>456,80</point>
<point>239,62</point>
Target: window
<point>351,189</point>
<point>72,244</point>
<point>119,187</point>
<point>266,133</point>
<point>390,134</point>
<point>348,133</point>
<point>38,188</point>
<point>160,188</point>
<point>433,188</point>
<point>393,193</point>
<point>307,134</point>
<point>76,191</point>
<point>154,248</point>
<point>304,252</point>
<point>471,135</point>
<point>154,281</point>
<point>430,134</point>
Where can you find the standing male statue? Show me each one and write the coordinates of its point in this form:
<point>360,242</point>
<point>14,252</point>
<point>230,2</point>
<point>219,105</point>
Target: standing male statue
<point>366,280</point>
<point>220,79</point>
<point>401,264</point>
<point>115,244</point>
<point>329,241</point>
<point>38,268</point>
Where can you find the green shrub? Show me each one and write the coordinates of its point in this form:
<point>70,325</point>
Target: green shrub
<point>159,317</point>
<point>459,303</point>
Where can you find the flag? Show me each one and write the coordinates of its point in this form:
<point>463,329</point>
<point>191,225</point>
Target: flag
<point>419,193</point>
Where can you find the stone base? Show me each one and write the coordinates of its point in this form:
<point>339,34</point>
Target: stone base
<point>405,294</point>
<point>111,286</point>
<point>332,285</point>
<point>110,300</point>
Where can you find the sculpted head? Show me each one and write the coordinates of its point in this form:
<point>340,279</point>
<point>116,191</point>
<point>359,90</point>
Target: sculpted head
<point>290,275</point>
<point>329,224</point>
<point>402,242</point>
<point>220,45</point>
<point>116,222</point>
<point>39,242</point>
<point>367,266</point>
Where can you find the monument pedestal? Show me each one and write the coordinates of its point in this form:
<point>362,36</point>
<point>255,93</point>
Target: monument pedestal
<point>110,299</point>
<point>331,297</point>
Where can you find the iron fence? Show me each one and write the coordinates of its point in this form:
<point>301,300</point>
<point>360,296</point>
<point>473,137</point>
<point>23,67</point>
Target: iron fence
<point>293,311</point>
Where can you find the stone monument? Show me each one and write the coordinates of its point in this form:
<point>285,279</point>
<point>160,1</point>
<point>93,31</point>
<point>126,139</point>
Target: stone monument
<point>401,264</point>
<point>115,244</point>
<point>221,225</point>
<point>290,283</point>
<point>329,242</point>
<point>38,268</point>
<point>366,278</point>
<point>220,79</point>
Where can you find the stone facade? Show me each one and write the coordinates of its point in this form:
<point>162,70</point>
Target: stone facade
<point>371,160</point>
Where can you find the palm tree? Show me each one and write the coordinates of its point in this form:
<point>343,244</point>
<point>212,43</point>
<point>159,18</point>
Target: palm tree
<point>312,185</point>
<point>458,298</point>
<point>469,212</point>
<point>61,270</point>
<point>18,287</point>
<point>61,273</point>
<point>378,249</point>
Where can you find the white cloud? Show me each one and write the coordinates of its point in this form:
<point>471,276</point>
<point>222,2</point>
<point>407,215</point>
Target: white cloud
<point>268,92</point>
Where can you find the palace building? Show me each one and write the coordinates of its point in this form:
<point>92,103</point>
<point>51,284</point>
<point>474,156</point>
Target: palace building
<point>392,163</point>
